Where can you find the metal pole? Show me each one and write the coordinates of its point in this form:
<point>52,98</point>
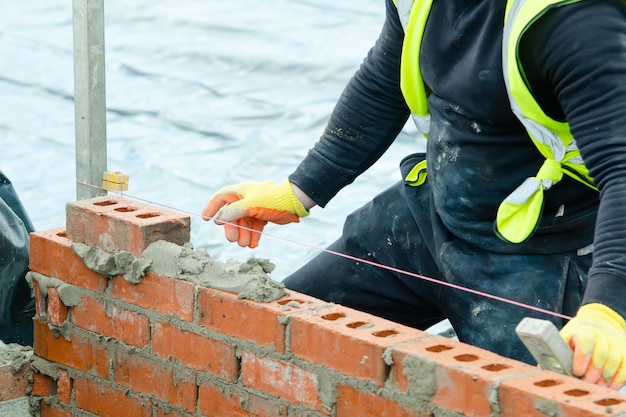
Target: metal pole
<point>89,96</point>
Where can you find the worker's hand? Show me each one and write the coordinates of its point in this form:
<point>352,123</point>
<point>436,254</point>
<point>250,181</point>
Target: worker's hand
<point>245,209</point>
<point>597,335</point>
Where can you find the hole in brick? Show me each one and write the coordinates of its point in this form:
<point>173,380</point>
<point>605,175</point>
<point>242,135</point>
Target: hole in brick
<point>289,300</point>
<point>385,333</point>
<point>238,366</point>
<point>125,209</point>
<point>148,215</point>
<point>576,393</point>
<point>42,305</point>
<point>387,372</point>
<point>356,324</point>
<point>608,402</point>
<point>547,383</point>
<point>105,203</point>
<point>466,358</point>
<point>62,234</point>
<point>334,316</point>
<point>495,367</point>
<point>438,348</point>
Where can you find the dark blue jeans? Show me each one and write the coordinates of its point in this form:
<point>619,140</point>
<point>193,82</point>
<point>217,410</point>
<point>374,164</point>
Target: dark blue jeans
<point>399,228</point>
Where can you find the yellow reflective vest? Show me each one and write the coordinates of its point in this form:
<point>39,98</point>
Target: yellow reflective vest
<point>519,214</point>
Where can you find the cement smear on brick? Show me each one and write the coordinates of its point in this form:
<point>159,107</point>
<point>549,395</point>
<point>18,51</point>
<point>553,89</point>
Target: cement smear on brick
<point>112,264</point>
<point>248,280</point>
<point>70,295</point>
<point>422,377</point>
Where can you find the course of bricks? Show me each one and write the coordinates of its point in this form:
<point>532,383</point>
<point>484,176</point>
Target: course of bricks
<point>171,347</point>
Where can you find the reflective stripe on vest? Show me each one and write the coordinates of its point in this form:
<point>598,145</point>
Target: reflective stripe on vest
<point>519,214</point>
<point>411,82</point>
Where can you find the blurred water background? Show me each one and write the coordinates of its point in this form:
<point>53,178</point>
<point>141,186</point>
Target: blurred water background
<point>200,94</point>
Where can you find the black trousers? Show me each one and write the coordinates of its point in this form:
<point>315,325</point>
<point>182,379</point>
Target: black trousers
<point>17,305</point>
<point>399,229</point>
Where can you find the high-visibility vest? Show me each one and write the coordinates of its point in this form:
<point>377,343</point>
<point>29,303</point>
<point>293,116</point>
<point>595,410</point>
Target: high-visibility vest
<point>519,214</point>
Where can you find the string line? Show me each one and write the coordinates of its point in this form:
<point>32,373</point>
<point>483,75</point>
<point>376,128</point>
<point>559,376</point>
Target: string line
<point>353,258</point>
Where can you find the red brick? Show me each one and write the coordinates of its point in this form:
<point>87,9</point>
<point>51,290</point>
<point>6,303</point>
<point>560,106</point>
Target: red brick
<point>195,351</point>
<point>158,293</point>
<point>348,341</point>
<point>13,384</point>
<point>230,401</point>
<point>114,223</point>
<point>249,320</point>
<point>547,393</point>
<point>451,374</point>
<point>352,402</point>
<point>41,301</point>
<point>57,311</point>
<point>296,385</point>
<point>54,410</point>
<point>111,321</point>
<point>77,352</point>
<point>101,399</point>
<point>152,377</point>
<point>43,385</point>
<point>64,386</point>
<point>51,255</point>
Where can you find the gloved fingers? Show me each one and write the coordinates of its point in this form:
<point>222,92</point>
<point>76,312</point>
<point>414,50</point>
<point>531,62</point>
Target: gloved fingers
<point>244,209</point>
<point>619,379</point>
<point>216,203</point>
<point>239,209</point>
<point>614,362</point>
<point>233,211</point>
<point>593,375</point>
<point>273,215</point>
<point>231,231</point>
<point>598,339</point>
<point>582,347</point>
<point>599,359</point>
<point>246,231</point>
<point>255,235</point>
<point>590,356</point>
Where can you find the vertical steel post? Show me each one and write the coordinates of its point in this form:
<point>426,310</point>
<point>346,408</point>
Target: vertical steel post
<point>89,96</point>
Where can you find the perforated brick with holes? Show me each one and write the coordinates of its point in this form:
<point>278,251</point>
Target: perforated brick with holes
<point>168,347</point>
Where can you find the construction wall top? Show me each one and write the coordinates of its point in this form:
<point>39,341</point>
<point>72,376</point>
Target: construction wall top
<point>164,343</point>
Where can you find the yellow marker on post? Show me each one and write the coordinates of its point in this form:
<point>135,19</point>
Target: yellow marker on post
<point>115,181</point>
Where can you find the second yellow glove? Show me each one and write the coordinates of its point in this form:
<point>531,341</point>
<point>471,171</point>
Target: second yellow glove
<point>597,334</point>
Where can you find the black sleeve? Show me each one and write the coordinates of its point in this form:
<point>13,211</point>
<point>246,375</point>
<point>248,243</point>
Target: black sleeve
<point>575,60</point>
<point>367,118</point>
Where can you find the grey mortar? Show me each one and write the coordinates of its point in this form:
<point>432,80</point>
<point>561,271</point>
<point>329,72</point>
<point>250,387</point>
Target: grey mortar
<point>69,294</point>
<point>249,280</point>
<point>15,355</point>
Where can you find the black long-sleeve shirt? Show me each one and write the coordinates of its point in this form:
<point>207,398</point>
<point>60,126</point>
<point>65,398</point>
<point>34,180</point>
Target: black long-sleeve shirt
<point>478,152</point>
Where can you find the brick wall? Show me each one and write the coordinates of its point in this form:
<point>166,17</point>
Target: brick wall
<point>170,347</point>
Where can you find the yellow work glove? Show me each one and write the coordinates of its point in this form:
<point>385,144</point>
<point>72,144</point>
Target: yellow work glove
<point>597,335</point>
<point>245,209</point>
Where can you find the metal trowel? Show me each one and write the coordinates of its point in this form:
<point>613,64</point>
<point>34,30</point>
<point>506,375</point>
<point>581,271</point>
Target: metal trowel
<point>543,341</point>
